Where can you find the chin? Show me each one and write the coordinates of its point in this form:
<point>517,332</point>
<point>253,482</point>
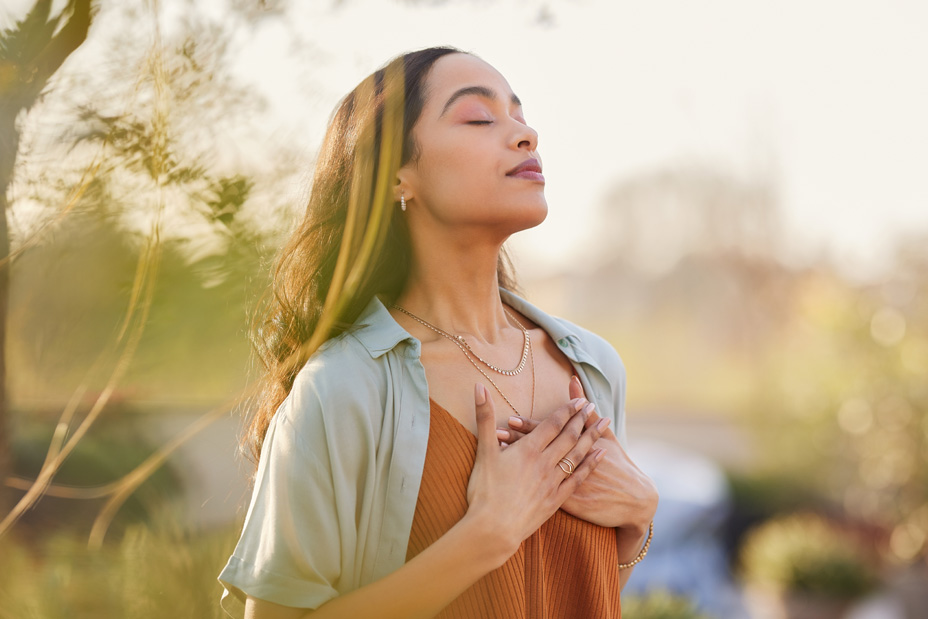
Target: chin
<point>532,216</point>
<point>541,215</point>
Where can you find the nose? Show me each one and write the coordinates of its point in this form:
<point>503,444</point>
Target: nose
<point>525,136</point>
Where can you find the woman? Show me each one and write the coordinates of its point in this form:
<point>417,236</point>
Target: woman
<point>429,443</point>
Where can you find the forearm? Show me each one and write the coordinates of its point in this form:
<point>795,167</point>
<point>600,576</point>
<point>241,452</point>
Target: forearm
<point>629,545</point>
<point>624,575</point>
<point>427,583</point>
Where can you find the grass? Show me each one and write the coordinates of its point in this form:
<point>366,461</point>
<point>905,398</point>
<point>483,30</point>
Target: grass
<point>152,571</point>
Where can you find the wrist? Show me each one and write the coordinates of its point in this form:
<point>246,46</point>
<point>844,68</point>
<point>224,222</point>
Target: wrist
<point>633,548</point>
<point>493,546</point>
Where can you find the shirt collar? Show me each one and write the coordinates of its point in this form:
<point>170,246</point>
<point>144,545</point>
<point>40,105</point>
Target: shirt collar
<point>378,332</point>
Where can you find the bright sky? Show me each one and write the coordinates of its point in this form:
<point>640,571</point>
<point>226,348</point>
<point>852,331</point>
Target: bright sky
<point>833,93</point>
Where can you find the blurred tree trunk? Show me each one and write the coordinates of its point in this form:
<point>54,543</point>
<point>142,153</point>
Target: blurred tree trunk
<point>30,54</point>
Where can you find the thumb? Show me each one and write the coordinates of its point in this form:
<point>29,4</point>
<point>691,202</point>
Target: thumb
<point>487,443</point>
<point>575,390</point>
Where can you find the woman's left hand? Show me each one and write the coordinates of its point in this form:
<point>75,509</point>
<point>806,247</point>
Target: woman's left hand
<point>617,493</point>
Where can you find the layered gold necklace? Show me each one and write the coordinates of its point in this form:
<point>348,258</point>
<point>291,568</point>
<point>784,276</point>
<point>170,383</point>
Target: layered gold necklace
<point>473,357</point>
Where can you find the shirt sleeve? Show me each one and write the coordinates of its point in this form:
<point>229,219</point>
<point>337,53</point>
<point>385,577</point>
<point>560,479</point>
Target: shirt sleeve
<point>612,368</point>
<point>289,551</point>
<point>618,394</point>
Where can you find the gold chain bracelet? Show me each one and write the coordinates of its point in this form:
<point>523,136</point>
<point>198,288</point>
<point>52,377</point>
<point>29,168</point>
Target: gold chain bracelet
<point>644,549</point>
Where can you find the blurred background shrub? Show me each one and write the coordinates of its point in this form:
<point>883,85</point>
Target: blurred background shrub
<point>806,554</point>
<point>155,570</point>
<point>115,447</point>
<point>659,605</point>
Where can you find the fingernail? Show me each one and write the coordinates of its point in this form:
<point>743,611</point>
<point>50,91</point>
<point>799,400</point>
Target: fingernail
<point>502,434</point>
<point>515,422</point>
<point>579,403</point>
<point>600,454</point>
<point>504,444</point>
<point>587,409</point>
<point>603,424</point>
<point>480,394</point>
<point>575,378</point>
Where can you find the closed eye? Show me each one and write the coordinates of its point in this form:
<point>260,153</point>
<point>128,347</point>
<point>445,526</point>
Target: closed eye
<point>479,122</point>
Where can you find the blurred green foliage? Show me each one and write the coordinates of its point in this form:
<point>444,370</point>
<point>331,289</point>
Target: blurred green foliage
<point>70,296</point>
<point>757,496</point>
<point>147,158</point>
<point>844,407</point>
<point>112,449</point>
<point>805,553</point>
<point>155,571</point>
<point>660,605</point>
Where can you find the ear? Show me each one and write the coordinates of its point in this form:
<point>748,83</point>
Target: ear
<point>402,186</point>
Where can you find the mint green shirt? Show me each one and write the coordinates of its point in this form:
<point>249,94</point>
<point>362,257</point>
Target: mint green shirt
<point>338,478</point>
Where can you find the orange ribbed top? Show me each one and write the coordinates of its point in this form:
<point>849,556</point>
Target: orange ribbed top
<point>567,569</point>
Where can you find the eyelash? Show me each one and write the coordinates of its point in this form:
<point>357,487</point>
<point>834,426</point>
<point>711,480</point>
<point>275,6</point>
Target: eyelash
<point>479,122</point>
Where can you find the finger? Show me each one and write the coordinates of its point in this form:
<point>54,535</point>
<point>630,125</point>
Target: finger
<point>609,433</point>
<point>569,436</point>
<point>522,425</point>
<point>552,426</point>
<point>593,418</point>
<point>509,436</point>
<point>573,481</point>
<point>487,443</point>
<point>576,455</point>
<point>575,389</point>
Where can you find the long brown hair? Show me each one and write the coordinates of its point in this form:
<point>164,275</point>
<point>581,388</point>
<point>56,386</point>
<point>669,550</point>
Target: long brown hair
<point>348,247</point>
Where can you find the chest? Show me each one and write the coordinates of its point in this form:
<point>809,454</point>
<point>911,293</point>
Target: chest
<point>535,392</point>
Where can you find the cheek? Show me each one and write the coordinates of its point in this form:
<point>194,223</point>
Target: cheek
<point>463,157</point>
<point>460,173</point>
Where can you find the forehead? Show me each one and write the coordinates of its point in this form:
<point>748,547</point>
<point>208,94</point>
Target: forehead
<point>455,71</point>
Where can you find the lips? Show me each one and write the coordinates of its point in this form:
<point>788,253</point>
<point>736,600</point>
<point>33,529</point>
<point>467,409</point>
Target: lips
<point>529,165</point>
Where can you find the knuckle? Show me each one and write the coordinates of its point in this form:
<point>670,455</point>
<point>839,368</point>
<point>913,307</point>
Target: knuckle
<point>560,419</point>
<point>574,433</point>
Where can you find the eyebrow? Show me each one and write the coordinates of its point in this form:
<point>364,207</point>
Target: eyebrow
<point>480,91</point>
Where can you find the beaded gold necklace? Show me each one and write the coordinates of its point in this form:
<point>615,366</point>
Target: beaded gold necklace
<point>461,343</point>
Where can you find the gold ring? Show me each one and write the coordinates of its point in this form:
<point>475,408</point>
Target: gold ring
<point>569,465</point>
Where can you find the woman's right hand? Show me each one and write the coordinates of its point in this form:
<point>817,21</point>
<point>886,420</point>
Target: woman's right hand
<point>513,491</point>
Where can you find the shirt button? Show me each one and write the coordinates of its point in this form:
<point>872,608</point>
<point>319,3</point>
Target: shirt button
<point>562,342</point>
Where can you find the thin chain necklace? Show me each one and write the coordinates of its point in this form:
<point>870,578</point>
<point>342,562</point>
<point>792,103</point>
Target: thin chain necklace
<point>469,354</point>
<point>461,342</point>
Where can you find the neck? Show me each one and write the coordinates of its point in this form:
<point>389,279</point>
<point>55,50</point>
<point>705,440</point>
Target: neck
<point>454,286</point>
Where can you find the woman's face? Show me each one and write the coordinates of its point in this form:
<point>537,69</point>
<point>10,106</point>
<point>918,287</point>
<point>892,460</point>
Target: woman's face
<point>467,144</point>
